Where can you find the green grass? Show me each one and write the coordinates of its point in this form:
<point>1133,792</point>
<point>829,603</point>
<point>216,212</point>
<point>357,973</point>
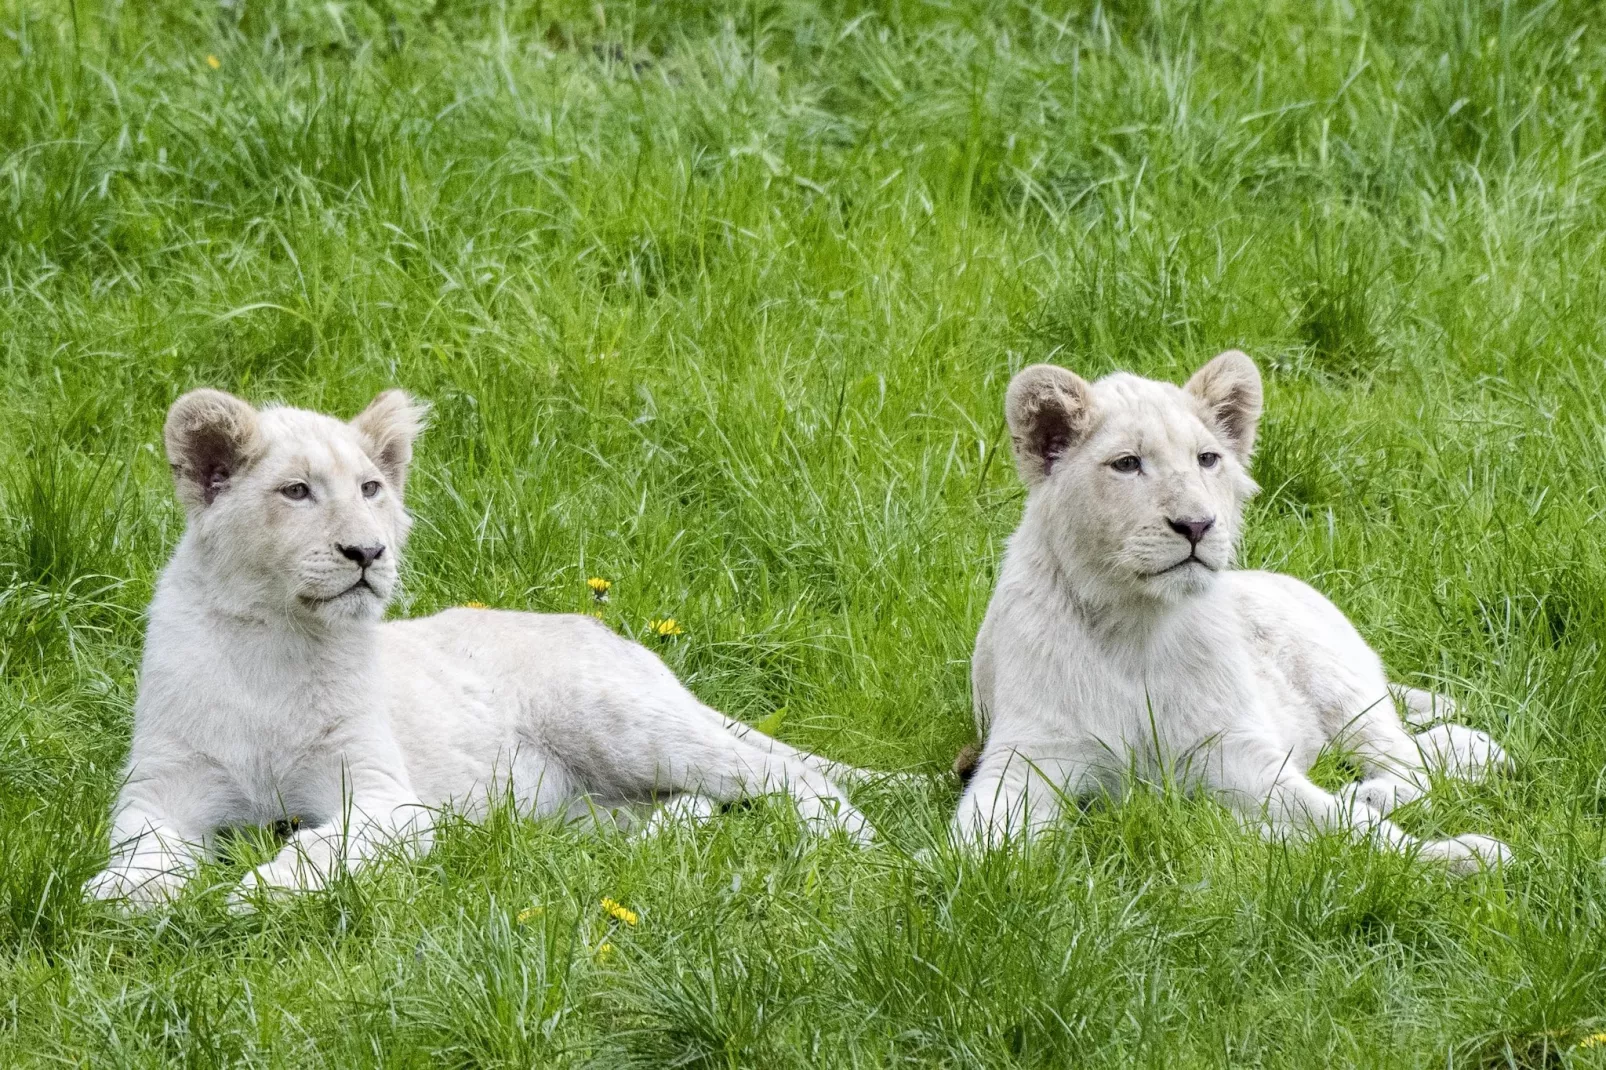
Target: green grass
<point>719,301</point>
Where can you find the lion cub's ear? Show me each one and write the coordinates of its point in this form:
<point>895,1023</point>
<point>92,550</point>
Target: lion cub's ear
<point>210,437</point>
<point>1229,386</point>
<point>388,426</point>
<point>1049,410</point>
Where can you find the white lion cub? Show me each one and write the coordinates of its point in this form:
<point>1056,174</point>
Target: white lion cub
<point>271,687</point>
<point>1119,633</point>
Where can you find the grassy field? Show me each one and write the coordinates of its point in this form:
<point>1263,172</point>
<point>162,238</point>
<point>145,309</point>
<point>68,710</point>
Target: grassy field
<point>718,302</point>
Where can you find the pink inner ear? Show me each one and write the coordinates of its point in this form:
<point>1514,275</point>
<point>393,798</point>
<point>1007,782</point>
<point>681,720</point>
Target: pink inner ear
<point>391,457</point>
<point>1053,446</point>
<point>217,477</point>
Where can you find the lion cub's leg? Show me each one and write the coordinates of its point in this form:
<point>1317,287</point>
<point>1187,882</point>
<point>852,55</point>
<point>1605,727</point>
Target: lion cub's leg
<point>1399,765</point>
<point>1011,795</point>
<point>314,855</point>
<point>161,829</point>
<point>1454,750</point>
<point>376,811</point>
<point>717,765</point>
<point>840,772</point>
<point>1448,749</point>
<point>151,859</point>
<point>1259,783</point>
<point>1422,707</point>
<point>1394,770</point>
<point>671,742</point>
<point>680,810</point>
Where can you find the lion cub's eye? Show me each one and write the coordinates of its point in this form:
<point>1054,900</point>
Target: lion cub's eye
<point>1130,463</point>
<point>370,488</point>
<point>296,492</point>
<point>1208,459</point>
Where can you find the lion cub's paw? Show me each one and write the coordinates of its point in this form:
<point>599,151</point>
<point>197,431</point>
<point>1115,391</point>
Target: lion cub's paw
<point>283,876</point>
<point>136,889</point>
<point>1382,795</point>
<point>681,810</point>
<point>856,826</point>
<point>109,884</point>
<point>1458,751</point>
<point>1482,852</point>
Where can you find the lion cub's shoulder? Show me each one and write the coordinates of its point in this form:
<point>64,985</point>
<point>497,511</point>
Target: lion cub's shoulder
<point>1272,599</point>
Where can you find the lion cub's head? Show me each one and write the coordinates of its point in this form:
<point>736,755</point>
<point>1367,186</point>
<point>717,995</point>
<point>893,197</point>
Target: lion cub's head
<point>293,511</point>
<point>1137,486</point>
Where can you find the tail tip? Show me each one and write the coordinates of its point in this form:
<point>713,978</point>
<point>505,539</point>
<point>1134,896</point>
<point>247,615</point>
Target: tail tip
<point>966,760</point>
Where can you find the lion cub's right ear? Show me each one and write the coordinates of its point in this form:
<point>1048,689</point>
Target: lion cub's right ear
<point>1049,410</point>
<point>1229,387</point>
<point>210,436</point>
<point>388,427</point>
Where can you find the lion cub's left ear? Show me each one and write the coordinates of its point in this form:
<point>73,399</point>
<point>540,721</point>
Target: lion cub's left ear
<point>1230,388</point>
<point>388,426</point>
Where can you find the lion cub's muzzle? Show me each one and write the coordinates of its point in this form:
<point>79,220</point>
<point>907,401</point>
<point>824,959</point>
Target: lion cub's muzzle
<point>374,579</point>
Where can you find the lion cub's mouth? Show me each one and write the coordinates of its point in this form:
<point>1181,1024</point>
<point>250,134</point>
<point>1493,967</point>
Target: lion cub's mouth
<point>361,585</point>
<point>1191,559</point>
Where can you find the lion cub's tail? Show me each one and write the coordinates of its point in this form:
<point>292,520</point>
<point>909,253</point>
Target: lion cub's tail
<point>966,760</point>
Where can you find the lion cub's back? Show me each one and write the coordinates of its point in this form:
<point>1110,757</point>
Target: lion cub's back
<point>508,647</point>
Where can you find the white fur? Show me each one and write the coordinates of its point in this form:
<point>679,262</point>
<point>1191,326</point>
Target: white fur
<point>272,689</point>
<point>1105,650</point>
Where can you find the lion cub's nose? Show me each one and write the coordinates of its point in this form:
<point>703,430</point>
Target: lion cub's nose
<point>1192,530</point>
<point>363,555</point>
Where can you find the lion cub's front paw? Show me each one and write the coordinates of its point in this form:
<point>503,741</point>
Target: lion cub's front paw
<point>1384,792</point>
<point>1458,751</point>
<point>136,889</point>
<point>108,884</point>
<point>856,826</point>
<point>1380,795</point>
<point>1481,852</point>
<point>681,810</point>
<point>286,874</point>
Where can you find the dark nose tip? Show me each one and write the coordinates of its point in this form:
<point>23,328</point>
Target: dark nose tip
<point>1192,530</point>
<point>363,555</point>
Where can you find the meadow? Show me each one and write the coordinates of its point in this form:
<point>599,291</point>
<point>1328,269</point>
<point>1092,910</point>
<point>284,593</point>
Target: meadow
<point>718,301</point>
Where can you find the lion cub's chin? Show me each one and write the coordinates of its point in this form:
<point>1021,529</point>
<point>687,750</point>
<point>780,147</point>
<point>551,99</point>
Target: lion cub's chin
<point>357,603</point>
<point>1180,583</point>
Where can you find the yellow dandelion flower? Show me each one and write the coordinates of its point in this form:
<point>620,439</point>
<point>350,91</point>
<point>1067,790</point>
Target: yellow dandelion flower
<point>475,605</point>
<point>616,909</point>
<point>212,61</point>
<point>1594,1040</point>
<point>604,952</point>
<point>599,588</point>
<point>529,914</point>
<point>663,629</point>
